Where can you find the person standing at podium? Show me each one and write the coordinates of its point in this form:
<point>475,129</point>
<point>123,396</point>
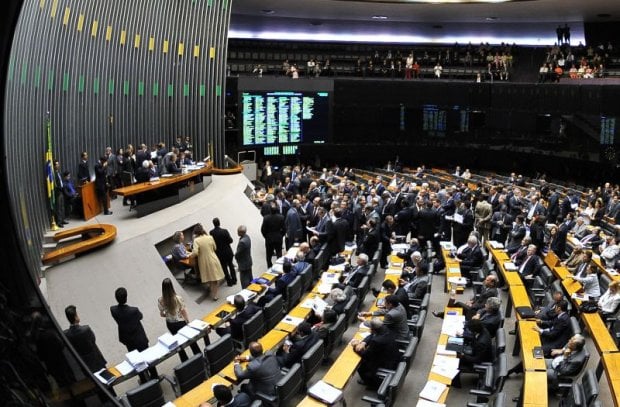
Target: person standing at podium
<point>83,173</point>
<point>101,185</point>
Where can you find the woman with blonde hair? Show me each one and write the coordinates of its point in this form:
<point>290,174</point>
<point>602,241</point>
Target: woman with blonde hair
<point>608,303</point>
<point>172,307</point>
<point>209,266</point>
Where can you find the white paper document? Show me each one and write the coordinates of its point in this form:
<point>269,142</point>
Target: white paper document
<point>446,361</point>
<point>445,371</point>
<point>168,340</point>
<point>318,305</point>
<point>154,353</point>
<point>169,404</point>
<point>188,332</point>
<point>446,245</point>
<point>329,278</point>
<point>245,293</point>
<point>337,267</point>
<point>124,368</point>
<point>432,390</point>
<point>198,324</point>
<point>325,392</point>
<point>400,247</point>
<point>452,324</point>
<point>458,280</point>
<point>510,266</point>
<point>458,218</point>
<point>324,288</point>
<point>441,350</point>
<point>292,320</point>
<point>180,339</point>
<point>394,271</point>
<point>496,245</point>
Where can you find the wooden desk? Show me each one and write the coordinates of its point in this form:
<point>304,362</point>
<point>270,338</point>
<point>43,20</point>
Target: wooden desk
<point>453,269</point>
<point>611,362</point>
<point>529,339</point>
<point>163,182</point>
<point>203,392</point>
<point>212,318</point>
<point>309,401</point>
<point>93,236</point>
<point>270,341</point>
<point>601,337</point>
<point>91,206</point>
<point>344,367</point>
<point>518,298</point>
<point>535,389</point>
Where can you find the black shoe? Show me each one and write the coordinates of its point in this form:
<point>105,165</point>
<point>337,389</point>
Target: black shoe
<point>438,314</point>
<point>108,213</point>
<point>512,332</point>
<point>230,283</point>
<point>65,222</point>
<point>60,225</point>
<point>375,292</point>
<point>516,399</point>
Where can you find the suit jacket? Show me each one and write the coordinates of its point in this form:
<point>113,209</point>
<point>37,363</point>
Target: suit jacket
<point>263,373</point>
<point>297,350</point>
<point>370,242</point>
<point>482,347</point>
<point>294,228</point>
<point>381,351</point>
<point>490,320</point>
<point>428,223</point>
<point>130,330</point>
<point>357,275</point>
<point>280,285</point>
<point>100,177</point>
<point>83,173</point>
<point>517,233</point>
<point>272,228</point>
<point>223,240</point>
<point>483,296</point>
<point>237,322</point>
<point>243,255</point>
<point>529,266</point>
<point>418,286</point>
<point>83,340</point>
<point>571,365</point>
<point>471,258</point>
<point>396,320</point>
<point>556,332</point>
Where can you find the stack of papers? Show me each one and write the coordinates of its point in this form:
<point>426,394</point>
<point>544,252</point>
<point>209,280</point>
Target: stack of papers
<point>337,267</point>
<point>393,271</point>
<point>168,340</point>
<point>245,293</point>
<point>276,269</point>
<point>137,360</point>
<point>582,297</point>
<point>452,324</point>
<point>510,266</point>
<point>329,278</point>
<point>292,320</point>
<point>446,245</point>
<point>432,390</point>
<point>496,245</point>
<point>154,353</point>
<point>318,305</point>
<point>199,324</point>
<point>400,247</point>
<point>188,332</point>
<point>426,403</point>
<point>324,288</point>
<point>124,368</point>
<point>462,281</point>
<point>325,392</point>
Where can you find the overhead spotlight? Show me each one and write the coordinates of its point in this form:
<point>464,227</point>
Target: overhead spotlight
<point>491,18</point>
<point>379,17</point>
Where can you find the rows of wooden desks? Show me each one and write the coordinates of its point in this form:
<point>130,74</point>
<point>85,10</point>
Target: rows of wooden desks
<point>534,369</point>
<point>603,341</point>
<point>345,366</point>
<point>271,342</point>
<point>453,268</point>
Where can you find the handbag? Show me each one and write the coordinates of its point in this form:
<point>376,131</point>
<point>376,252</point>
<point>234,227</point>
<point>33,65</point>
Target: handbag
<point>588,307</point>
<point>525,312</point>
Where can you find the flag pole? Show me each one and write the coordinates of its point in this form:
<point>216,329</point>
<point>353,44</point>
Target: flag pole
<point>50,172</point>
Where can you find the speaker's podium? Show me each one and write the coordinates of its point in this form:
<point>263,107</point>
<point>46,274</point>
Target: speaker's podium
<point>249,169</point>
<point>91,206</point>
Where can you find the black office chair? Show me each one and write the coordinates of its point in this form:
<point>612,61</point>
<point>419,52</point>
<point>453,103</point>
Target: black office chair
<point>589,383</point>
<point>286,388</point>
<point>575,397</point>
<point>417,327</point>
<point>273,312</point>
<point>253,329</point>
<point>306,278</point>
<point>499,400</point>
<point>389,388</point>
<point>566,382</point>
<point>219,354</point>
<point>334,335</point>
<point>350,310</point>
<point>491,380</point>
<point>362,290</point>
<point>311,360</point>
<point>293,294</point>
<point>148,394</point>
<point>188,375</point>
<point>408,350</point>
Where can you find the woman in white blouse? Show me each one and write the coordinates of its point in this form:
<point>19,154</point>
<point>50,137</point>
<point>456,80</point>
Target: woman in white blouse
<point>590,282</point>
<point>608,303</point>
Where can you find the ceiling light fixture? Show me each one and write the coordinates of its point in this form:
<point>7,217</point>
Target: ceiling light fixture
<point>379,17</point>
<point>491,18</point>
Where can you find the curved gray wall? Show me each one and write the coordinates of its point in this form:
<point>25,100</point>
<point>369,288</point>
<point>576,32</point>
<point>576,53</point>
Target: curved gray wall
<point>101,71</point>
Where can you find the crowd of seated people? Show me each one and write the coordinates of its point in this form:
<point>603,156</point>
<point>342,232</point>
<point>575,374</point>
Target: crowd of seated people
<point>576,62</point>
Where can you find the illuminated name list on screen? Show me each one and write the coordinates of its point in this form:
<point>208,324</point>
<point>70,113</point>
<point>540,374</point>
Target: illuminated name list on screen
<point>284,117</point>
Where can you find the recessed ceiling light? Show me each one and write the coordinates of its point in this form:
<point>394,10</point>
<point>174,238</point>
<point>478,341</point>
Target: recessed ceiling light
<point>379,17</point>
<point>491,19</point>
<point>267,11</point>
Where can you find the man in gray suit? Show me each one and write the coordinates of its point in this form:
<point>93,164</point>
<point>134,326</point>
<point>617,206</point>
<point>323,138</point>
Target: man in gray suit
<point>567,361</point>
<point>263,371</point>
<point>395,317</point>
<point>243,255</point>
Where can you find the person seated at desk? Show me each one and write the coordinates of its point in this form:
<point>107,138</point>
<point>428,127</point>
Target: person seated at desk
<point>555,332</point>
<point>414,262</point>
<point>519,254</point>
<point>531,263</point>
<point>377,350</point>
<point>417,286</point>
<point>574,260</point>
<point>476,303</point>
<point>489,315</point>
<point>414,246</point>
<point>567,361</point>
<point>610,251</point>
<point>547,313</point>
<point>179,250</point>
<point>244,311</point>
<point>263,371</point>
<point>580,230</point>
<point>394,317</point>
<point>171,165</point>
<point>300,342</point>
<point>330,317</point>
<point>480,348</point>
<point>608,303</point>
<point>338,298</point>
<point>400,293</point>
<point>280,284</point>
<point>471,257</point>
<point>590,282</point>
<point>300,262</point>
<point>224,397</point>
<point>355,276</point>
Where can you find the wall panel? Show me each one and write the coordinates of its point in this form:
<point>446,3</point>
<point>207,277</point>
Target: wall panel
<point>109,73</point>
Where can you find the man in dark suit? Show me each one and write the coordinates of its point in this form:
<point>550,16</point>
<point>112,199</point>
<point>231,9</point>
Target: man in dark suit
<point>501,223</point>
<point>489,315</point>
<point>83,340</point>
<point>294,226</point>
<point>428,223</point>
<point>101,186</point>
<point>243,255</point>
<point>471,257</point>
<point>245,311</point>
<point>302,341</point>
<point>478,302</point>
<point>371,239</point>
<point>530,265</point>
<point>130,330</point>
<point>481,346</point>
<point>355,276</point>
<point>555,333</point>
<point>273,231</point>
<point>517,233</point>
<point>567,361</point>
<point>224,397</point>
<point>224,253</point>
<point>280,284</point>
<point>263,371</point>
<point>377,350</point>
<point>83,173</point>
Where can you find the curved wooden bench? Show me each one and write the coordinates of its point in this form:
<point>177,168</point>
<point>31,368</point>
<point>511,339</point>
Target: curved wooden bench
<point>93,236</point>
<point>227,171</point>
